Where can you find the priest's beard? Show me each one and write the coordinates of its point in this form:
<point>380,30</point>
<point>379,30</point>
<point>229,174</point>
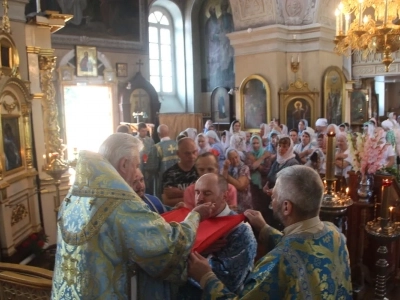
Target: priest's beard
<point>277,213</point>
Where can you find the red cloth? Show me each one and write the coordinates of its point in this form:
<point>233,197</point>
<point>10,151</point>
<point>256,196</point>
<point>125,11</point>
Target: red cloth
<point>209,230</point>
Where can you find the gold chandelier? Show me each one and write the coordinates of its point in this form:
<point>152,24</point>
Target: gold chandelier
<point>369,26</point>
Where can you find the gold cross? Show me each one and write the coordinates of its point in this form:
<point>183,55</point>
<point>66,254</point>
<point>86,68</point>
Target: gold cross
<point>171,149</point>
<point>70,270</point>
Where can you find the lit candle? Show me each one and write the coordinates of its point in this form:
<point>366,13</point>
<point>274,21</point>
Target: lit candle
<point>337,21</point>
<point>365,20</point>
<point>391,213</point>
<point>298,58</point>
<point>360,14</point>
<point>347,191</point>
<point>346,29</point>
<point>330,156</point>
<point>386,12</point>
<point>44,159</point>
<point>341,18</point>
<point>386,183</point>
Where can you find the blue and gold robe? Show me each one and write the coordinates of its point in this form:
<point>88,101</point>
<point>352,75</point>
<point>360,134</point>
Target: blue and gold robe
<point>162,156</point>
<point>231,264</point>
<point>103,225</point>
<point>302,265</point>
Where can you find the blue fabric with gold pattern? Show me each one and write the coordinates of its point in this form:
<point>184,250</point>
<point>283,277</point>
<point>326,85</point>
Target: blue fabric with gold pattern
<point>301,266</point>
<point>102,226</point>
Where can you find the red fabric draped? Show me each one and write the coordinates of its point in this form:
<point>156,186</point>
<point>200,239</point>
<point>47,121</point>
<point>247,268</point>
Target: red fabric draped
<point>209,230</point>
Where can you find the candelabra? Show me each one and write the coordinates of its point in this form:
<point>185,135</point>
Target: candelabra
<point>334,204</point>
<point>385,230</point>
<point>137,115</point>
<point>55,167</point>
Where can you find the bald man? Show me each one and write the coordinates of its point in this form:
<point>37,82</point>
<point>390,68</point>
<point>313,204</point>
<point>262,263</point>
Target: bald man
<point>161,157</point>
<point>231,258</point>
<point>178,177</point>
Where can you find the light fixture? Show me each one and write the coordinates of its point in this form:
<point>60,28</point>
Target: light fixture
<point>373,29</point>
<point>233,90</point>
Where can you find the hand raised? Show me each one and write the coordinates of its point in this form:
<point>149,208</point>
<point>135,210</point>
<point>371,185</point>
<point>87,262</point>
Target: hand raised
<point>205,210</point>
<point>255,218</point>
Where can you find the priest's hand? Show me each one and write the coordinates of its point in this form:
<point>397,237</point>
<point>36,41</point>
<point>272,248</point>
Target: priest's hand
<point>215,247</point>
<point>198,266</point>
<point>255,218</point>
<point>205,210</point>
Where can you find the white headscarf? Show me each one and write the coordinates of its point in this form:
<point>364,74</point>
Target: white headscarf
<point>212,134</point>
<point>191,133</point>
<point>284,129</point>
<point>281,159</point>
<point>207,146</point>
<point>266,130</point>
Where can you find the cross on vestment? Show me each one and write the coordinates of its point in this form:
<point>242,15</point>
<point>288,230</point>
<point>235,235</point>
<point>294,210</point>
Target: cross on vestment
<point>171,149</point>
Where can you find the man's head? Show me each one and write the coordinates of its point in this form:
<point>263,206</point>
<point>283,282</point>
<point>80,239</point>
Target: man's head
<point>163,131</point>
<point>297,194</point>
<point>206,163</point>
<point>187,152</point>
<point>142,130</point>
<point>212,188</point>
<point>138,184</point>
<point>123,129</point>
<point>122,151</point>
<point>294,135</point>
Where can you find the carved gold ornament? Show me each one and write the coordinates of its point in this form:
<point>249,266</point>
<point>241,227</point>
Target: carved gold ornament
<point>19,213</point>
<point>10,107</point>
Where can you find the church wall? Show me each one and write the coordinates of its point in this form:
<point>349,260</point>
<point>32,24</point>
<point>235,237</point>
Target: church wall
<point>275,68</point>
<point>18,30</point>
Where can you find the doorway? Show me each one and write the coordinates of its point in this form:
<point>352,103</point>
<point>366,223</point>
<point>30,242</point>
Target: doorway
<point>88,117</point>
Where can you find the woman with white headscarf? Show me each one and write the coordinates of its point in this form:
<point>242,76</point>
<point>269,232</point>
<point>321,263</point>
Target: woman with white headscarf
<point>238,143</point>
<point>285,158</point>
<point>305,148</point>
<point>202,143</point>
<point>264,133</point>
<point>191,133</point>
<point>238,174</point>
<point>215,143</point>
<point>235,129</point>
<point>284,129</point>
<point>392,118</point>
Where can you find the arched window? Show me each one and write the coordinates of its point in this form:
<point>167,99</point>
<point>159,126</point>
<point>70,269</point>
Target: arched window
<point>161,43</point>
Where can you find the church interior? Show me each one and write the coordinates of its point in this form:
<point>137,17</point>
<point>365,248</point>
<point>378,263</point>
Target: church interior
<point>72,71</point>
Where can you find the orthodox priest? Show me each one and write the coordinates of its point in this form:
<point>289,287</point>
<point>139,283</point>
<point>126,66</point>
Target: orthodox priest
<point>103,226</point>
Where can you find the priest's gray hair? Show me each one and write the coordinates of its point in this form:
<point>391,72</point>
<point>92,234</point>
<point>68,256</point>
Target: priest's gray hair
<point>303,187</point>
<point>120,145</point>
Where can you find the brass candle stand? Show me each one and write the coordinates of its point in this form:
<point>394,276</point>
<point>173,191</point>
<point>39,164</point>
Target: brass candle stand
<point>385,230</point>
<point>294,66</point>
<point>334,204</point>
<point>55,168</point>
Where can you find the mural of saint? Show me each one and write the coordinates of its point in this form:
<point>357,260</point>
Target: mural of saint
<point>255,96</point>
<point>11,144</point>
<point>334,107</point>
<point>297,109</point>
<point>218,69</point>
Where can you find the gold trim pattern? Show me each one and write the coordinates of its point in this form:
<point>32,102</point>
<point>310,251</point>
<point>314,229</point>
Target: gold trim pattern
<point>9,107</point>
<point>19,213</point>
<point>5,26</point>
<point>93,226</point>
<point>32,49</point>
<point>47,64</point>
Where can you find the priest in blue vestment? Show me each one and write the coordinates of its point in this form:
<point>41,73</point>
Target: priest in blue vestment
<point>103,226</point>
<point>309,260</point>
<point>162,156</point>
<point>231,258</point>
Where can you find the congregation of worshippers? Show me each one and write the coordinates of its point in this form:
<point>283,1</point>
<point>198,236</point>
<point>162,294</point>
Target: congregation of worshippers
<point>273,178</point>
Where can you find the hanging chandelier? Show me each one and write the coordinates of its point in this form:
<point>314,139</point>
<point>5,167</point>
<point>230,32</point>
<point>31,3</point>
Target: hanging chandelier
<point>368,26</point>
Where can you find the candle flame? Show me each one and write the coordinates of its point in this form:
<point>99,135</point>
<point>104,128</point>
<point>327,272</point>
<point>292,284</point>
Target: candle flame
<point>391,208</point>
<point>44,156</point>
<point>347,191</point>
